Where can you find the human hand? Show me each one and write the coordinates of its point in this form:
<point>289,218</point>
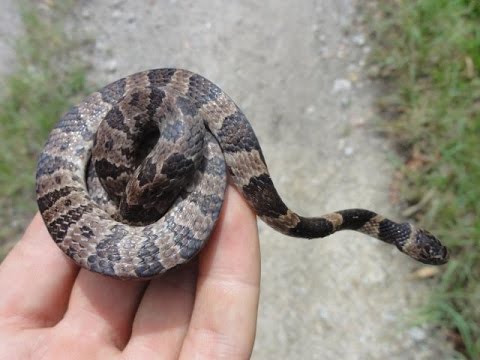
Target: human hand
<point>50,309</point>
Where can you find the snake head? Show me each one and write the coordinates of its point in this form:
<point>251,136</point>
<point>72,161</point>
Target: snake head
<point>426,248</point>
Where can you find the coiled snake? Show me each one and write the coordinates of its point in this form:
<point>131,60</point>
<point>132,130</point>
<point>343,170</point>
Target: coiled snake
<point>131,181</point>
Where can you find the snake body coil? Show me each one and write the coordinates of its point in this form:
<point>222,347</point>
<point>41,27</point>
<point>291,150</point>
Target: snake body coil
<point>131,181</point>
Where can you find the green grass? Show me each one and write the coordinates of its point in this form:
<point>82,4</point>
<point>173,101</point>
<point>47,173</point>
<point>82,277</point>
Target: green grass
<point>427,52</point>
<point>44,83</point>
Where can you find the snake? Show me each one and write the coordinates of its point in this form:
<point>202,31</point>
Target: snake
<point>131,181</point>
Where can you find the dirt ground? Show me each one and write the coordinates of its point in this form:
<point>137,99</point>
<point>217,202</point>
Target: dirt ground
<point>9,29</point>
<point>296,68</point>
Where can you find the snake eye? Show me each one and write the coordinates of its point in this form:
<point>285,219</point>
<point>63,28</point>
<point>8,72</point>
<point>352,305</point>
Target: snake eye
<point>444,254</point>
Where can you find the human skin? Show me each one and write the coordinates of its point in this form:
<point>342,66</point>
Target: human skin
<point>50,309</point>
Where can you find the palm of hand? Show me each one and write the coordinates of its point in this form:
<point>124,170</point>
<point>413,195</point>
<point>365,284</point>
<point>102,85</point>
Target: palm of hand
<point>50,309</point>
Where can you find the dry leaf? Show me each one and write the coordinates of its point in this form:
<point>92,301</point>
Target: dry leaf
<point>426,272</point>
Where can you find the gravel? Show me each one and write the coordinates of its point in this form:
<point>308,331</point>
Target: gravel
<point>9,31</point>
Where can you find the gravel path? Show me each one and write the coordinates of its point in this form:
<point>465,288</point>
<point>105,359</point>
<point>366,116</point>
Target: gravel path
<point>9,30</point>
<point>296,71</point>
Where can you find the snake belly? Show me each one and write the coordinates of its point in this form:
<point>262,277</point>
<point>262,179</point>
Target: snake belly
<point>131,181</point>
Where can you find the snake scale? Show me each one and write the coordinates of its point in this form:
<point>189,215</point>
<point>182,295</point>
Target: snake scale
<point>131,181</point>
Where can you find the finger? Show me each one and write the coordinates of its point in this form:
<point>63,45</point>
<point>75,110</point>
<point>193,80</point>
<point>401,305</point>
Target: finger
<point>225,311</point>
<point>163,316</point>
<point>36,279</point>
<point>101,309</point>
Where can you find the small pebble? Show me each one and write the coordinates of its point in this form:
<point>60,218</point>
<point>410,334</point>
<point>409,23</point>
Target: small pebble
<point>341,85</point>
<point>131,19</point>
<point>345,101</point>
<point>85,14</point>
<point>116,14</point>
<point>417,334</point>
<point>358,39</point>
<point>111,65</point>
<point>310,109</point>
